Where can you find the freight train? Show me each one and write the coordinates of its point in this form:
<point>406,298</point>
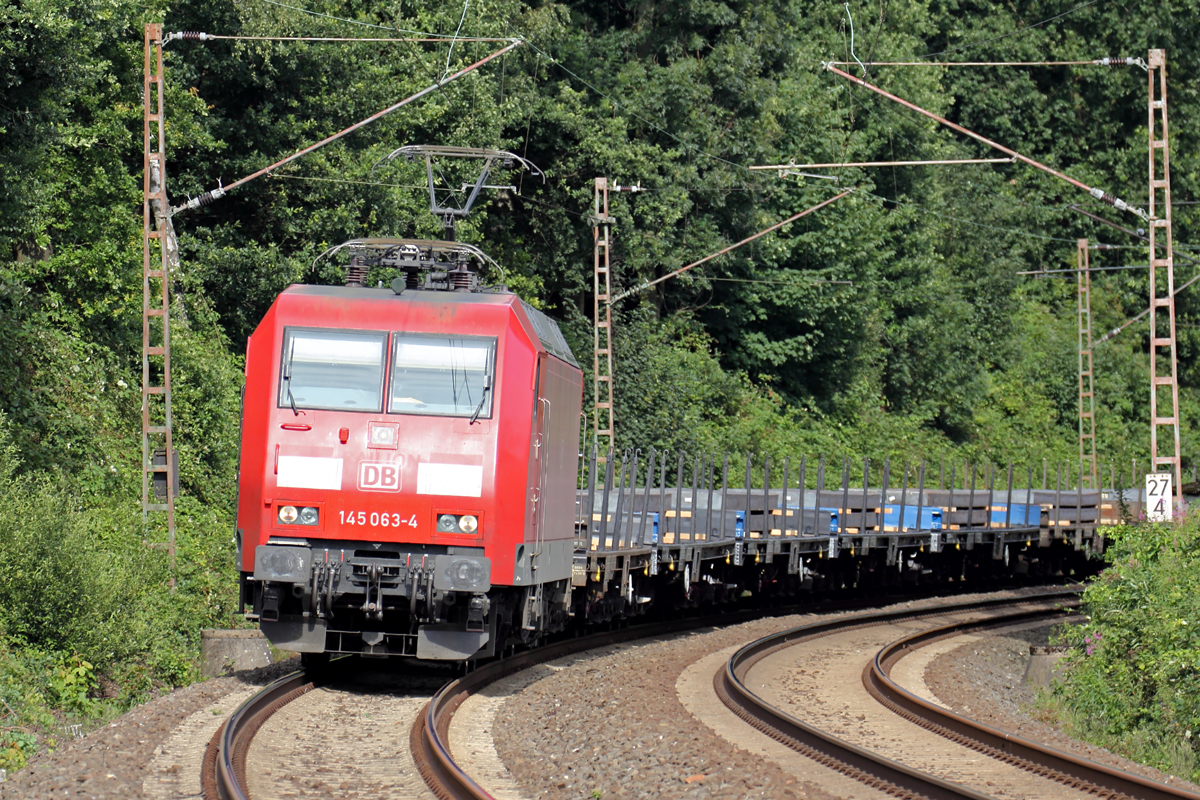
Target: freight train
<point>408,485</point>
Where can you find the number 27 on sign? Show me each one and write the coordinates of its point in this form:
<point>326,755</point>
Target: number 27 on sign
<point>1158,496</point>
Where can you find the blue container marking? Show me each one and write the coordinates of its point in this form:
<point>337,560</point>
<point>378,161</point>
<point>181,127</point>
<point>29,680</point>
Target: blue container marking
<point>739,526</point>
<point>833,515</point>
<point>930,517</point>
<point>1019,515</point>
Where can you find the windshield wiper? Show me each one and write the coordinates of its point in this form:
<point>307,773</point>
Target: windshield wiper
<point>287,376</point>
<point>487,385</point>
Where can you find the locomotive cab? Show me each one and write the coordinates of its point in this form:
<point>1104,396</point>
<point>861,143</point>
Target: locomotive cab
<point>408,468</point>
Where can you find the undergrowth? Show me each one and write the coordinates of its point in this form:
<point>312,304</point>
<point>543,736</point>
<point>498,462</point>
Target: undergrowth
<point>89,625</point>
<point>1131,681</point>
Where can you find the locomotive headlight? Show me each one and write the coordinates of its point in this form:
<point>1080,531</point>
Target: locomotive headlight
<point>462,574</point>
<point>447,523</point>
<point>468,523</point>
<point>309,516</point>
<point>288,515</point>
<point>381,435</point>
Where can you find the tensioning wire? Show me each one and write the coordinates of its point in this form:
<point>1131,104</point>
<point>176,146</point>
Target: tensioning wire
<point>439,36</point>
<point>447,37</point>
<point>1027,28</point>
<point>941,215</point>
<point>339,39</point>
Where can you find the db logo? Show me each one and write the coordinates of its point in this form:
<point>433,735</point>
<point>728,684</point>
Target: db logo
<point>379,476</point>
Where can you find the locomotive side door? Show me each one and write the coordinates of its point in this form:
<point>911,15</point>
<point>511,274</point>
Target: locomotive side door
<point>538,462</point>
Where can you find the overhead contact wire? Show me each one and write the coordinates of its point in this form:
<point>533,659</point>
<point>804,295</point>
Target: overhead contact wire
<point>221,191</point>
<point>1099,194</point>
<point>199,36</point>
<point>439,36</point>
<point>644,286</point>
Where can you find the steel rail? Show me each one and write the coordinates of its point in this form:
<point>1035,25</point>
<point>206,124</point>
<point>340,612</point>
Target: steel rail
<point>224,773</point>
<point>224,776</point>
<point>1030,755</point>
<point>850,759</point>
<point>429,737</point>
<point>430,732</point>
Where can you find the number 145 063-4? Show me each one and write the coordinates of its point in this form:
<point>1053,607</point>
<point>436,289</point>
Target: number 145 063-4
<point>377,519</point>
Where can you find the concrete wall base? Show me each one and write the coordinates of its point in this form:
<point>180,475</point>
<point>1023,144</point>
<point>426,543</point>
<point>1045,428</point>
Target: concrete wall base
<point>227,651</point>
<point>1043,664</point>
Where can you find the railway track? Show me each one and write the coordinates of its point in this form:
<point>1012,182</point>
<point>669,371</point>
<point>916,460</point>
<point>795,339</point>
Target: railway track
<point>226,760</point>
<point>1016,767</point>
<point>225,775</point>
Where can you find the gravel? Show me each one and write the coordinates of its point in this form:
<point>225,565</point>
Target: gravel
<point>609,725</point>
<point>602,725</point>
<point>984,680</point>
<point>112,762</point>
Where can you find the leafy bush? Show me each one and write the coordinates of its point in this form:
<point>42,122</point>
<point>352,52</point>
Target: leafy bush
<point>1132,678</point>
<point>89,623</point>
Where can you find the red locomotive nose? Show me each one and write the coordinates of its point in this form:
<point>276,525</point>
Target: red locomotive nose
<point>344,434</point>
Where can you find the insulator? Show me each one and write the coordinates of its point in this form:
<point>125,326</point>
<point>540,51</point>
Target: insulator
<point>196,36</point>
<point>356,272</point>
<point>461,279</point>
<point>412,278</point>
<point>203,200</point>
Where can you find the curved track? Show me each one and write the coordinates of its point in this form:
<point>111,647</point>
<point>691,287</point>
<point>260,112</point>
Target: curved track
<point>224,774</point>
<point>1065,768</point>
<point>225,763</point>
<point>1071,774</point>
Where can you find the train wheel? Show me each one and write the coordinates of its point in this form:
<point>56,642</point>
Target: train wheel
<point>316,665</point>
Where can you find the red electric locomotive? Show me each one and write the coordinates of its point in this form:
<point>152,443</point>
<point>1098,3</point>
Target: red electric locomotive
<point>408,462</point>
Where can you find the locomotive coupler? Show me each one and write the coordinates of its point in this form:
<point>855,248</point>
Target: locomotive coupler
<point>373,608</point>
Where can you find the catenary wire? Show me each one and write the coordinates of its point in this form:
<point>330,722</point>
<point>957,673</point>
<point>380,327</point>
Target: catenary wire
<point>979,42</point>
<point>895,115</point>
<point>440,36</point>
<point>535,48</point>
<point>337,39</point>
<point>617,103</point>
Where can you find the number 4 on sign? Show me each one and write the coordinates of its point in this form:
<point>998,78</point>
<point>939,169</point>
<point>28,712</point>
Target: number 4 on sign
<point>1159,496</point>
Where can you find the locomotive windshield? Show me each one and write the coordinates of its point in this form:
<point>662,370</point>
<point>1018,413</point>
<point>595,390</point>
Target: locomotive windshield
<point>449,376</point>
<point>339,370</point>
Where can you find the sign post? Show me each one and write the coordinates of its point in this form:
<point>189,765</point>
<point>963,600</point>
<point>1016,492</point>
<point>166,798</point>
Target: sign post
<point>1159,496</point>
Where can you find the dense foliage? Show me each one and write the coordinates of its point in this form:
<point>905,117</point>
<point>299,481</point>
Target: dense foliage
<point>890,323</point>
<point>1132,679</point>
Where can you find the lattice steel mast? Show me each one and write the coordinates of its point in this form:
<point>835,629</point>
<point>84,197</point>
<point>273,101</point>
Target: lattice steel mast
<point>158,451</point>
<point>1162,331</point>
<point>602,360</point>
<point>1087,386</point>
